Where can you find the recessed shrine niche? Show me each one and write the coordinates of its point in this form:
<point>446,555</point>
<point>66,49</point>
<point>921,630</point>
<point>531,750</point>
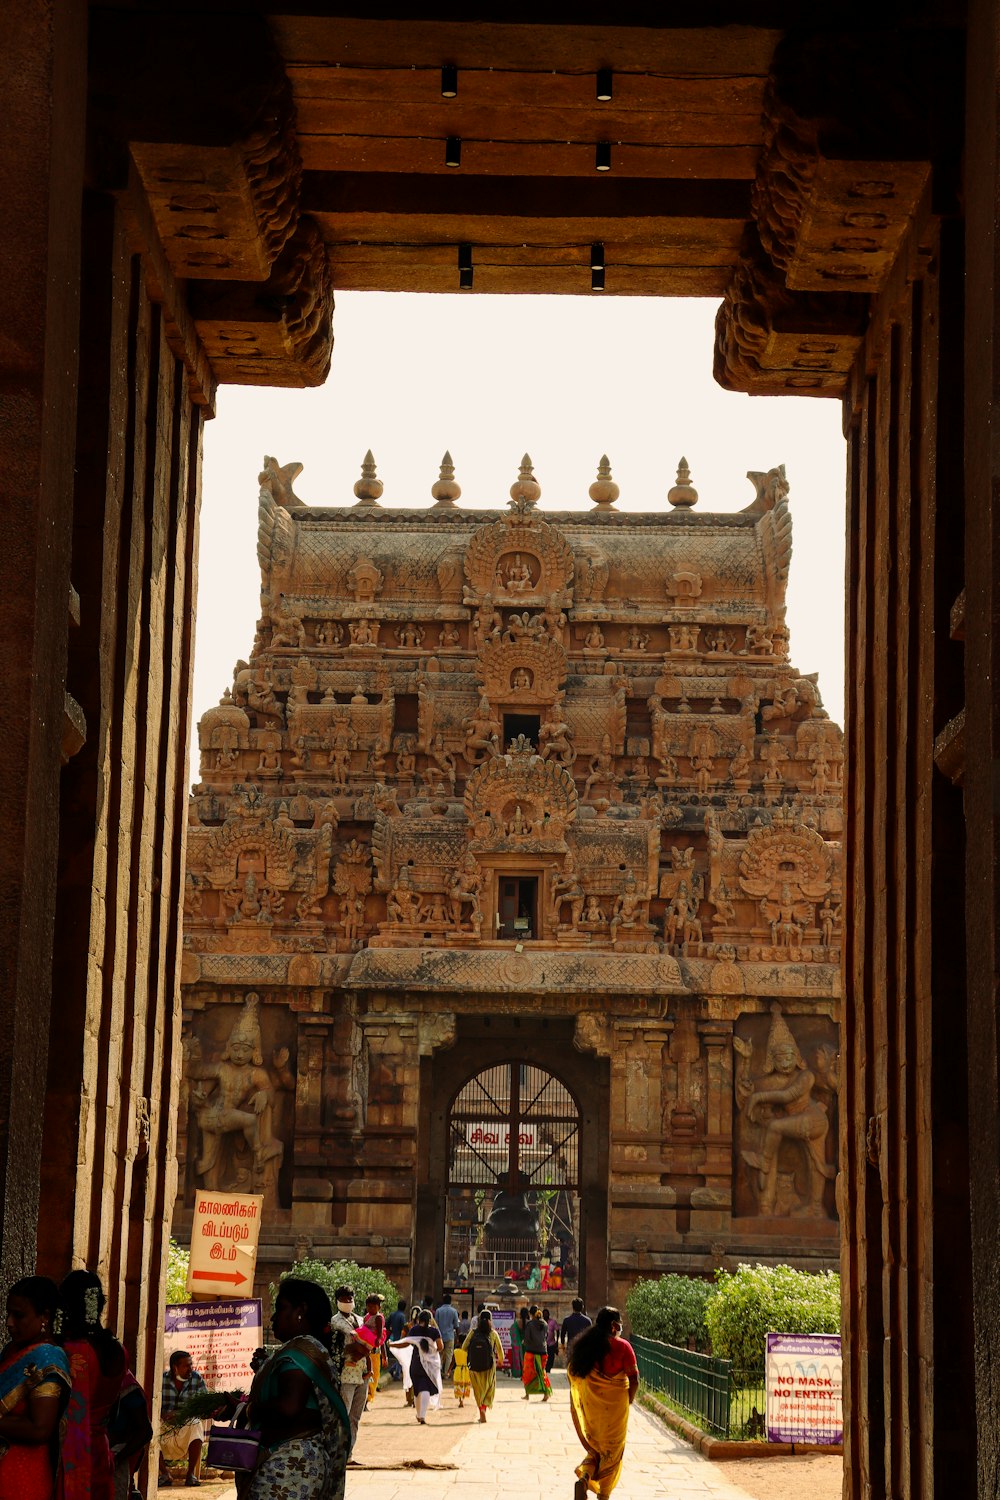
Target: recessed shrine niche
<point>785,1122</point>
<point>238,1099</point>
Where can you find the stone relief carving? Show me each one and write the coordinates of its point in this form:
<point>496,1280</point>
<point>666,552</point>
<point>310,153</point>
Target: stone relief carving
<point>785,1133</point>
<point>240,1148</point>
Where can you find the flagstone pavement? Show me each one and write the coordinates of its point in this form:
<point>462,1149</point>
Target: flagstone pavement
<point>528,1451</point>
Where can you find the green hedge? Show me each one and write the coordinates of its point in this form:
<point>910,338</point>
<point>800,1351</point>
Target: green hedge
<point>363,1280</point>
<point>671,1309</point>
<point>757,1300</point>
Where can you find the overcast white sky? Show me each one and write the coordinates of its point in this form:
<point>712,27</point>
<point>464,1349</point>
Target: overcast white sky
<point>565,378</point>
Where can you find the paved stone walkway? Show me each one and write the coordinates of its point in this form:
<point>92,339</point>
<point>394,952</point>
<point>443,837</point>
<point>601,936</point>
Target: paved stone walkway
<point>527,1451</point>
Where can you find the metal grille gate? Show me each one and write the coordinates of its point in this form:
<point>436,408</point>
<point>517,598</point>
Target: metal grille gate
<point>513,1175</point>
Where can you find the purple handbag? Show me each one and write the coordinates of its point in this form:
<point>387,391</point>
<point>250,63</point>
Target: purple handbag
<point>233,1447</point>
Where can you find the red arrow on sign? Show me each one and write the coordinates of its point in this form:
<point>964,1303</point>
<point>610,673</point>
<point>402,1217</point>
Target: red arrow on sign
<point>236,1277</point>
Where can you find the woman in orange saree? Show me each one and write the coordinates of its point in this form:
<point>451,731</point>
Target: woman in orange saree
<point>34,1390</point>
<point>603,1380</point>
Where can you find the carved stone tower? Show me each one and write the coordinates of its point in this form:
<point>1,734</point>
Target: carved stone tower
<point>517,841</point>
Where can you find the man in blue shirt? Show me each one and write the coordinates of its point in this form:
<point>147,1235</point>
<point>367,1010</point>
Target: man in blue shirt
<point>574,1324</point>
<point>396,1323</point>
<point>446,1319</point>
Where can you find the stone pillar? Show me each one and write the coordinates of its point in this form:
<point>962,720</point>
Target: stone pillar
<point>44,69</point>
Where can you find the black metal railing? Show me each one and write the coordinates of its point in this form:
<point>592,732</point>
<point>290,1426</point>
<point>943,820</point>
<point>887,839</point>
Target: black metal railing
<point>698,1383</point>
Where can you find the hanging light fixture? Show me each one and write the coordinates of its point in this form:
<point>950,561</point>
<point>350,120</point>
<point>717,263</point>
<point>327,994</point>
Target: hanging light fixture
<point>603,157</point>
<point>597,256</point>
<point>604,84</point>
<point>465,268</point>
<point>597,279</point>
<point>453,152</point>
<point>449,81</point>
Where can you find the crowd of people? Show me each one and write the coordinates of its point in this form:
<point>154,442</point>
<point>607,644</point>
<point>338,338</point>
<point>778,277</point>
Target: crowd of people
<point>74,1422</point>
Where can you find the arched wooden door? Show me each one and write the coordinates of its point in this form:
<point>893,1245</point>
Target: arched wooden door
<point>513,1193</point>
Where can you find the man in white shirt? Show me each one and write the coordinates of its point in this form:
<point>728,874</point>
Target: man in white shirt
<point>357,1367</point>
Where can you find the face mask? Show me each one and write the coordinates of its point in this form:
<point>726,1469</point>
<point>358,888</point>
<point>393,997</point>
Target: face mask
<point>345,1307</point>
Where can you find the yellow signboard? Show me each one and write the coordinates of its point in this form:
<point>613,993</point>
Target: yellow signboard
<point>224,1235</point>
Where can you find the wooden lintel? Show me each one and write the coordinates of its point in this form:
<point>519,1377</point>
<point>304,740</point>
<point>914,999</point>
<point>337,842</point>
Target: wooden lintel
<point>371,42</point>
<point>533,159</point>
<point>604,199</point>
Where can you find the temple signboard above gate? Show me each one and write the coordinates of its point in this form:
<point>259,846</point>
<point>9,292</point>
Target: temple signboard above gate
<point>543,793</point>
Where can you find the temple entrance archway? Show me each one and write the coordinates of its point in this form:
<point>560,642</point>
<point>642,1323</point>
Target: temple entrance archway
<point>549,1161</point>
<point>512,1211</point>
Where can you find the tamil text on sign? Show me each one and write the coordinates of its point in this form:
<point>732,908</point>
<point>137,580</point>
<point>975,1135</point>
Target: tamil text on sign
<point>224,1234</point>
<point>220,1338</point>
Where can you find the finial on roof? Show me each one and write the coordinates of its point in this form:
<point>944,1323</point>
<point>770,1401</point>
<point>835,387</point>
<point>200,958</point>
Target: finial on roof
<point>444,489</point>
<point>526,488</point>
<point>604,492</point>
<point>368,488</point>
<point>683,492</point>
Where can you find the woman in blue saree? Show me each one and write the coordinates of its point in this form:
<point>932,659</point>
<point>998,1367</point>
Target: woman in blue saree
<point>295,1401</point>
<point>34,1390</point>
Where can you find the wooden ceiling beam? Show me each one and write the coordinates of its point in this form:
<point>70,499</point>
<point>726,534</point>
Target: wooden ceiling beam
<point>492,159</point>
<point>527,89</point>
<point>372,42</point>
<point>642,281</point>
<point>688,245</point>
<point>529,123</point>
<point>461,199</point>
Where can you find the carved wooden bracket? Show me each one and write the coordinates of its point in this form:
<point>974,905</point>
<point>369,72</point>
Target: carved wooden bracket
<point>770,340</point>
<point>279,332</point>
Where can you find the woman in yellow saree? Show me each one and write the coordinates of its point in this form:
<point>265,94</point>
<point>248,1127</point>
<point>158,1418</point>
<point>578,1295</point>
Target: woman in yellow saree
<point>603,1380</point>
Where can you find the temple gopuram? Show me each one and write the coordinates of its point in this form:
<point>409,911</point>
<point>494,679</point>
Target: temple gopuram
<point>513,895</point>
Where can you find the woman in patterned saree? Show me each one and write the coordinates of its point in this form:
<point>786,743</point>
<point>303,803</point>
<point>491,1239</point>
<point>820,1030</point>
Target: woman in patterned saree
<point>34,1390</point>
<point>295,1401</point>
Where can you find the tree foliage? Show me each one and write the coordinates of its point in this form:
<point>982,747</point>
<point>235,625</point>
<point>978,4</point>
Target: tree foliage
<point>364,1281</point>
<point>178,1259</point>
<point>756,1300</point>
<point>671,1309</point>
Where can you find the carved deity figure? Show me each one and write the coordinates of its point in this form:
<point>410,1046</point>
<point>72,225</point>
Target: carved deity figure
<point>594,639</point>
<point>449,637</point>
<point>482,734</point>
<point>773,753</point>
<point>343,741</point>
<point>287,629</point>
<point>830,918</point>
<point>239,1149</point>
<point>593,913</point>
<point>364,632</point>
<point>720,642</point>
<point>628,913</point>
<point>602,766</point>
<point>759,641</point>
<point>441,765</point>
<point>464,889</point>
<point>403,904</point>
<point>566,890</point>
<point>779,1106</point>
<point>409,635</point>
<point>329,633</point>
<point>787,917</point>
<point>636,640</point>
<point>352,918</point>
<point>740,765</point>
<point>521,678</point>
<point>517,576</point>
<point>554,742</point>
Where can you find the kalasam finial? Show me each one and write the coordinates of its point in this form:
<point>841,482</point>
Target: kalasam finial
<point>683,492</point>
<point>445,489</point>
<point>368,488</point>
<point>604,492</point>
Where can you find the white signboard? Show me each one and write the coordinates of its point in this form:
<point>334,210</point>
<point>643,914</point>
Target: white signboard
<point>503,1320</point>
<point>220,1338</point>
<point>224,1234</point>
<point>804,1373</point>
